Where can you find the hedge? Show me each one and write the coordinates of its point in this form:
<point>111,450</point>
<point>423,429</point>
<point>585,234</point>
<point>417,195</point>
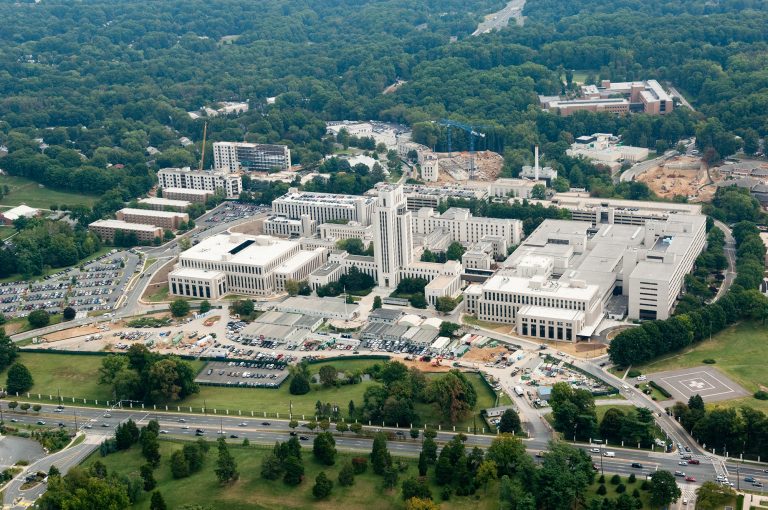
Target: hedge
<point>660,389</point>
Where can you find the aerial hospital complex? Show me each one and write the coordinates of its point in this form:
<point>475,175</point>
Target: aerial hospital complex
<point>614,259</point>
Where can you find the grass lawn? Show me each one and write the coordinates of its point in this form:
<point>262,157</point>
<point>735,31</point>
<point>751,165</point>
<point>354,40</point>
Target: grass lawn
<point>21,324</point>
<point>6,231</point>
<point>26,191</point>
<point>601,410</point>
<point>645,496</point>
<point>160,294</point>
<point>580,76</point>
<point>739,351</point>
<point>252,492</point>
<point>75,376</point>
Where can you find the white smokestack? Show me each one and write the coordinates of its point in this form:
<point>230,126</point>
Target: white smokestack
<point>536,162</point>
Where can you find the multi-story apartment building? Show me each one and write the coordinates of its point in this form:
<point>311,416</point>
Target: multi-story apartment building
<point>164,219</point>
<point>325,207</point>
<point>165,204</point>
<point>106,230</point>
<point>255,157</point>
<point>196,196</point>
<point>229,184</point>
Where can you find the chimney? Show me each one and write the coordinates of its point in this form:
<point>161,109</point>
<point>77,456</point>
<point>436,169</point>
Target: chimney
<point>536,163</point>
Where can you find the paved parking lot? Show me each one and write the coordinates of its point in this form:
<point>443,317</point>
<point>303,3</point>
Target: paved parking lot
<point>232,211</point>
<point>266,372</point>
<point>708,382</point>
<point>95,286</point>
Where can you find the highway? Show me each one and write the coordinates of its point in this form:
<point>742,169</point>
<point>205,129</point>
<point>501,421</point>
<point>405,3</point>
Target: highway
<point>500,19</point>
<point>98,424</point>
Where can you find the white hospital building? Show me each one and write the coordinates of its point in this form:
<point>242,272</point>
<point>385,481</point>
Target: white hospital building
<point>324,207</point>
<point>242,264</point>
<point>558,283</point>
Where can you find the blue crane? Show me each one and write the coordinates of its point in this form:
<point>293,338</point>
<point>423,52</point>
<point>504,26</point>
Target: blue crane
<point>472,131</point>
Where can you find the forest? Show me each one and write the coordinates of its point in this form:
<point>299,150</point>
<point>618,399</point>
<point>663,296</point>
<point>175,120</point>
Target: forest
<point>101,84</point>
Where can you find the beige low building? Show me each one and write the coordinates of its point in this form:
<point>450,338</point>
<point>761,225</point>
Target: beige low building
<point>196,196</point>
<point>165,219</point>
<point>165,204</point>
<point>106,229</point>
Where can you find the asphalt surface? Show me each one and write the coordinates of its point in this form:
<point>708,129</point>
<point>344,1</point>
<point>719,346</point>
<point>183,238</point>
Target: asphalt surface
<point>631,173</point>
<point>97,424</point>
<point>500,19</point>
<point>730,253</point>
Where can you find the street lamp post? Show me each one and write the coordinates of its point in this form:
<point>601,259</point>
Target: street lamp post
<point>602,472</point>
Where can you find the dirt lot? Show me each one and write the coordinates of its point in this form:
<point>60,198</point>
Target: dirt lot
<point>483,355</point>
<point>488,166</point>
<point>72,333</point>
<point>678,176</point>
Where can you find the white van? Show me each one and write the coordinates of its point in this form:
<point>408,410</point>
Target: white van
<point>609,454</point>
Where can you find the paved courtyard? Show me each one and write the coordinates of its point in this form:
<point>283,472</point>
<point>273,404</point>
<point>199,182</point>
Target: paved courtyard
<point>706,381</point>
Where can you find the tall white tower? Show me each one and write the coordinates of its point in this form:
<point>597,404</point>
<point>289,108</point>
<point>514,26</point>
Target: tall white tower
<point>392,237</point>
<point>536,163</point>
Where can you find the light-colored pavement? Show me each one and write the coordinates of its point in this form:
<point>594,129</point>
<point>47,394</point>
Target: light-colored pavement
<point>632,173</point>
<point>500,19</point>
<point>16,498</point>
<point>730,253</point>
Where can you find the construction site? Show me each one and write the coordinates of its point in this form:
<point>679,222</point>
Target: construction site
<point>457,166</point>
<point>681,176</point>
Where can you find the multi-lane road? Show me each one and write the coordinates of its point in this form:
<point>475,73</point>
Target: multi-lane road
<point>99,423</point>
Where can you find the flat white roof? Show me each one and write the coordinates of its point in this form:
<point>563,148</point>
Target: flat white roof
<point>151,213</point>
<point>550,313</point>
<point>188,191</point>
<point>189,272</point>
<point>19,211</point>
<point>248,250</point>
<point>164,201</point>
<point>501,282</point>
<point>331,199</point>
<point>441,282</point>
<point>297,261</point>
<point>124,225</point>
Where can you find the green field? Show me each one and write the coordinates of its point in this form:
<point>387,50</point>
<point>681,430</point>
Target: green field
<point>74,376</point>
<point>25,191</point>
<point>739,351</point>
<point>77,376</point>
<point>252,492</point>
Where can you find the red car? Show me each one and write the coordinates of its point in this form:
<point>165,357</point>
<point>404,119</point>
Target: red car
<point>690,479</point>
<point>693,461</point>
